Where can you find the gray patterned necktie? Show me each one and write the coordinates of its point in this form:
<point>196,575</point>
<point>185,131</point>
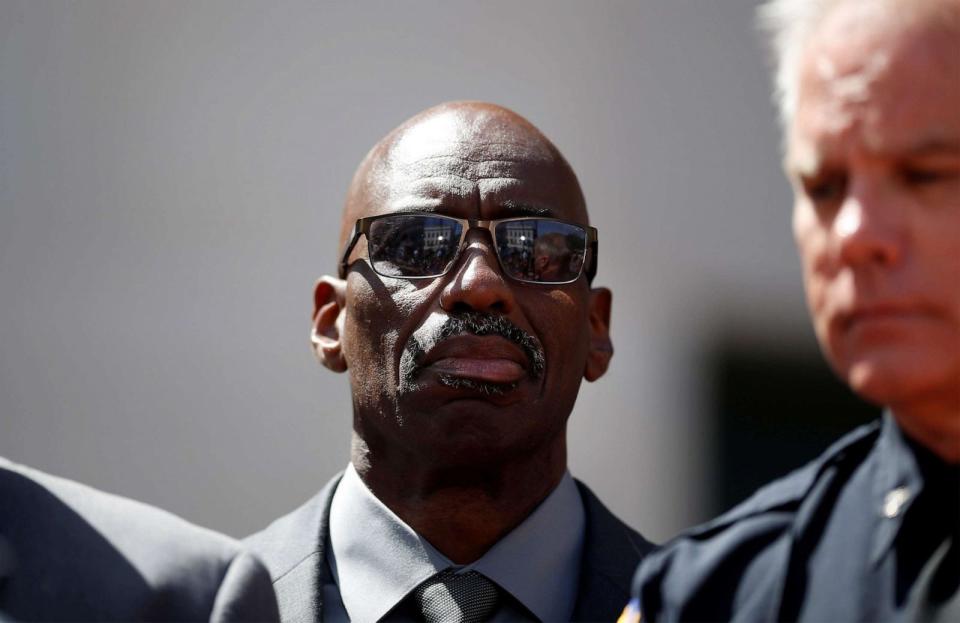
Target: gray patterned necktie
<point>451,597</point>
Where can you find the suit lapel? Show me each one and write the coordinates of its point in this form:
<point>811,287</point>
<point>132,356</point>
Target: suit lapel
<point>294,550</point>
<point>611,553</point>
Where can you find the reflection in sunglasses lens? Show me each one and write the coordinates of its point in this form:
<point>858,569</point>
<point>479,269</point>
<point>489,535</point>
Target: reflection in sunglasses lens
<point>541,250</point>
<point>538,250</point>
<point>413,246</point>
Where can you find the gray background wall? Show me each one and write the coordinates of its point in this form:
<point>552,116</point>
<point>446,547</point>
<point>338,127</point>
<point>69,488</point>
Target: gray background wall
<point>171,176</point>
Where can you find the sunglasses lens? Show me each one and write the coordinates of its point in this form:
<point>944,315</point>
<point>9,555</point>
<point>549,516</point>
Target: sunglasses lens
<point>541,250</point>
<point>413,245</point>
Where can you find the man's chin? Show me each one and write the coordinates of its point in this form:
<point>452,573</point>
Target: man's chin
<point>891,378</point>
<point>871,382</point>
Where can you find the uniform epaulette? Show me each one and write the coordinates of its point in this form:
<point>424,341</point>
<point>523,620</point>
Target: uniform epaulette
<point>785,494</point>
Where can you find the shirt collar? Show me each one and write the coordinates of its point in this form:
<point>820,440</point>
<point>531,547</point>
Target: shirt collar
<point>377,559</point>
<point>897,484</point>
<point>538,562</point>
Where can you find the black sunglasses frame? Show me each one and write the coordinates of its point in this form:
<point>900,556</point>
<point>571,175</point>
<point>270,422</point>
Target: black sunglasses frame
<point>362,228</point>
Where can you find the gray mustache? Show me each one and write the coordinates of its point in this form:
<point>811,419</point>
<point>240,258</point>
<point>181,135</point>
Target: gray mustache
<point>480,324</point>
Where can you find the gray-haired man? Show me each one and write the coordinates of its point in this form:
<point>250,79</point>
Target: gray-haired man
<point>869,93</point>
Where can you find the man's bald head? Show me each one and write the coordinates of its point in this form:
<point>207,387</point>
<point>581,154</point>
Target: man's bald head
<point>483,138</point>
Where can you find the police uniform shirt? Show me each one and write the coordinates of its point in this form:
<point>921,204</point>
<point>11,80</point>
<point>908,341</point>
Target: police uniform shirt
<point>867,532</point>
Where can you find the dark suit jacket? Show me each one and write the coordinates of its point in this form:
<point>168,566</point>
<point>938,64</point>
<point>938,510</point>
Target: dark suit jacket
<point>70,552</point>
<point>294,550</point>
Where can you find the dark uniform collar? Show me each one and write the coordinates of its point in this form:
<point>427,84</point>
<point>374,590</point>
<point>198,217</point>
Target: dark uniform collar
<point>904,469</point>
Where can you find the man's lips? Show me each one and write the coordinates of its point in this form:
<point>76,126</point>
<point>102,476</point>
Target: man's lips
<point>488,359</point>
<point>883,313</point>
<point>501,371</point>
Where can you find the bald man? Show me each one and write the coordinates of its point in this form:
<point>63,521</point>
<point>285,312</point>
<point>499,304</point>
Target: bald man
<point>465,358</point>
<point>870,531</point>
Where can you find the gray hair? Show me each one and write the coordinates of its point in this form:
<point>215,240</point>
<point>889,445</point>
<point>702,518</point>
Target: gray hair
<point>787,25</point>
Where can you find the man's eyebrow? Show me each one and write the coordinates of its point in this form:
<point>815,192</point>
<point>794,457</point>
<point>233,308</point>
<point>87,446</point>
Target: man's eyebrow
<point>515,209</point>
<point>412,207</point>
<point>525,209</point>
<point>935,146</point>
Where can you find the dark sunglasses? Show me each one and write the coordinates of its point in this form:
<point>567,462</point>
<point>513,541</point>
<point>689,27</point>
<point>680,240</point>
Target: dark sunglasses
<point>423,246</point>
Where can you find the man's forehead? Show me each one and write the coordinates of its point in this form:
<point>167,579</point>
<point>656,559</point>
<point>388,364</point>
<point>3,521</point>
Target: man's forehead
<point>457,158</point>
<point>470,137</point>
<point>893,89</point>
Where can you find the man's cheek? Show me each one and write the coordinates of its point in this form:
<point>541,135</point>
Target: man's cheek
<point>369,344</point>
<point>817,302</point>
<point>361,339</point>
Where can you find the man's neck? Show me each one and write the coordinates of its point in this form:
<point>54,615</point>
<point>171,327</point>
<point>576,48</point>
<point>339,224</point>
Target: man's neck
<point>463,510</point>
<point>933,423</point>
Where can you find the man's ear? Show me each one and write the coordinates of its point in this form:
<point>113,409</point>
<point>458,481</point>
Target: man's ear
<point>329,297</point>
<point>601,348</point>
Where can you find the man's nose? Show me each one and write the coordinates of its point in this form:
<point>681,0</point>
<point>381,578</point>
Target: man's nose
<point>868,228</point>
<point>476,282</point>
